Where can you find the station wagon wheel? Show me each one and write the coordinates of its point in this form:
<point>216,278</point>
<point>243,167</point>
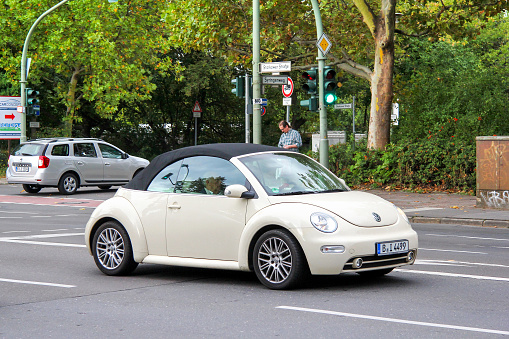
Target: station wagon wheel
<point>31,188</point>
<point>68,184</point>
<point>112,249</point>
<point>278,260</point>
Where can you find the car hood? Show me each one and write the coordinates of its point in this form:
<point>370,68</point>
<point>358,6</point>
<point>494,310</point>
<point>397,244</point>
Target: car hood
<point>358,208</point>
<point>139,160</point>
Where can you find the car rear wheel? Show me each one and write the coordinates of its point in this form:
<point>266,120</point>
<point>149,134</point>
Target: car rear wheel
<point>278,260</point>
<point>112,250</point>
<point>31,188</point>
<point>68,184</point>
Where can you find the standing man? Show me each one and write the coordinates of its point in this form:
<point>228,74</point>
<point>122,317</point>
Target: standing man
<point>290,139</point>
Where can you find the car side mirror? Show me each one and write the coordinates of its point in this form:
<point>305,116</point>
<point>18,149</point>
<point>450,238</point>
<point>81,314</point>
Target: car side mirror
<point>238,191</point>
<point>125,155</point>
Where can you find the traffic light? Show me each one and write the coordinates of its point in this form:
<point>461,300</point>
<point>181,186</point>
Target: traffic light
<point>330,85</point>
<point>311,103</point>
<point>32,97</point>
<point>311,85</point>
<point>240,86</point>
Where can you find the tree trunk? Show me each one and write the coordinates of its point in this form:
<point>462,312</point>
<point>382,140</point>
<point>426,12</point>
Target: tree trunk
<point>71,103</point>
<point>381,81</point>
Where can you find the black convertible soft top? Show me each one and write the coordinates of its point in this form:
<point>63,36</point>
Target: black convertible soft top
<point>224,151</point>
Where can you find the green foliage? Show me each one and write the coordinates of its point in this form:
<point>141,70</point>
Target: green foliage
<point>428,164</point>
<point>451,90</point>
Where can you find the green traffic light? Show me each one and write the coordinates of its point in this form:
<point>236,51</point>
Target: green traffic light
<point>330,98</point>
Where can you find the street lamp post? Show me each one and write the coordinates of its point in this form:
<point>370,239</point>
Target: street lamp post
<point>24,74</point>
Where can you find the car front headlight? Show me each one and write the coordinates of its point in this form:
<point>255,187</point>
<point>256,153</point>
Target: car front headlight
<point>323,222</point>
<point>401,213</point>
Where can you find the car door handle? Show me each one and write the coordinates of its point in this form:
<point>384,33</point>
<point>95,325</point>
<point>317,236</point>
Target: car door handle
<point>107,164</point>
<point>80,162</point>
<point>174,206</point>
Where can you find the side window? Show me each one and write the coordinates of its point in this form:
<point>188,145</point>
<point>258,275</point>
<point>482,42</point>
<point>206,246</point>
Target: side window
<point>60,150</point>
<point>165,180</point>
<point>86,150</point>
<point>110,152</point>
<point>207,175</point>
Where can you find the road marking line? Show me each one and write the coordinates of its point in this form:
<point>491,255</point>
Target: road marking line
<point>394,320</point>
<point>36,283</point>
<point>454,262</point>
<point>7,232</point>
<point>439,250</point>
<point>454,275</point>
<point>28,242</point>
<point>8,212</point>
<point>467,237</point>
<point>43,236</point>
<point>28,239</point>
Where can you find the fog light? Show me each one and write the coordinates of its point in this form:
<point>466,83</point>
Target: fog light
<point>332,249</point>
<point>357,263</point>
<point>410,257</point>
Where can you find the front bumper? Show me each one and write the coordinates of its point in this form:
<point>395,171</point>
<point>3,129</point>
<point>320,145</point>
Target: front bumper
<point>358,242</point>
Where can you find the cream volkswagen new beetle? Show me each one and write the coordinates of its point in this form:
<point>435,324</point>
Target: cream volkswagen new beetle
<point>252,208</point>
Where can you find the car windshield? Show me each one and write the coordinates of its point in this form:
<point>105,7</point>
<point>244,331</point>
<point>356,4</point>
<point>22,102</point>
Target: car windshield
<point>291,174</point>
<point>27,149</point>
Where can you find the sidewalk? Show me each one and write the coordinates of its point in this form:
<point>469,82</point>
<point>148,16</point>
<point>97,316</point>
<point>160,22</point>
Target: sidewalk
<point>445,208</point>
<point>438,208</point>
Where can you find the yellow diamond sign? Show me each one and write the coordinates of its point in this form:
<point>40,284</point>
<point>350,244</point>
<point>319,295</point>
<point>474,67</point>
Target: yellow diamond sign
<point>324,44</point>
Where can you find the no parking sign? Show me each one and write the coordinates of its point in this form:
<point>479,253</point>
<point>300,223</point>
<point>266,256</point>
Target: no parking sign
<point>288,89</point>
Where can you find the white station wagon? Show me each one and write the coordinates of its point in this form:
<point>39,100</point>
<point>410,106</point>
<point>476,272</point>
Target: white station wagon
<point>251,208</point>
<point>69,163</point>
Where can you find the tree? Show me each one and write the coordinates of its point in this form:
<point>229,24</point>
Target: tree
<point>364,48</point>
<point>86,51</point>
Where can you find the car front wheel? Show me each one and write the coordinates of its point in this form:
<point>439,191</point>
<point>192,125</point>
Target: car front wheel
<point>278,260</point>
<point>112,250</point>
<point>68,184</point>
<point>31,188</point>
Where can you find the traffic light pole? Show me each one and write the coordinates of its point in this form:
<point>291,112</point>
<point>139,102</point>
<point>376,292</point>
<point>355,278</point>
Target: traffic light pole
<point>249,102</point>
<point>324,142</point>
<point>257,117</point>
<point>24,74</point>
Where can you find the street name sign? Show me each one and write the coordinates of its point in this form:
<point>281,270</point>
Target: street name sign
<point>342,106</point>
<point>275,80</point>
<point>276,67</point>
<point>260,101</point>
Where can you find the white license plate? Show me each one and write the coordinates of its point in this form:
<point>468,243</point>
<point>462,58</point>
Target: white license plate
<point>391,247</point>
<point>22,169</point>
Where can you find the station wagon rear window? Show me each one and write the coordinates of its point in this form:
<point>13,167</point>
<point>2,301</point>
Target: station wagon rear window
<point>27,149</point>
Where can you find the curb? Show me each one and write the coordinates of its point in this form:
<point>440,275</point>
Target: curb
<point>469,222</point>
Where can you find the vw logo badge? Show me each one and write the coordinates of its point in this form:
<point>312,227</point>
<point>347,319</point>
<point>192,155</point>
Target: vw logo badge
<point>376,217</point>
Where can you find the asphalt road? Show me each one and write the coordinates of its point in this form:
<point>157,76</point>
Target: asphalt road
<point>51,288</point>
